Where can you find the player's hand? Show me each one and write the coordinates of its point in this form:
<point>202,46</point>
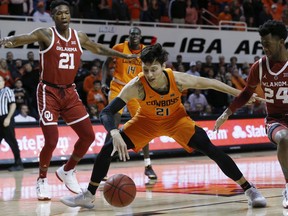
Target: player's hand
<point>225,115</point>
<point>119,145</point>
<point>105,89</point>
<point>6,122</point>
<point>4,41</point>
<point>255,98</point>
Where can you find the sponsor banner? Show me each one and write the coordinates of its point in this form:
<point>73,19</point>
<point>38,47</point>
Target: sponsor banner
<point>233,132</point>
<point>192,42</point>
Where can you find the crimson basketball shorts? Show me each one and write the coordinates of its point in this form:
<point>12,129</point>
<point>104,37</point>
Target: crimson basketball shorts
<point>55,102</point>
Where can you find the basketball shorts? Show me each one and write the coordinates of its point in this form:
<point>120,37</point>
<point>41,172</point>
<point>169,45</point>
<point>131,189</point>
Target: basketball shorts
<point>142,129</point>
<point>55,102</point>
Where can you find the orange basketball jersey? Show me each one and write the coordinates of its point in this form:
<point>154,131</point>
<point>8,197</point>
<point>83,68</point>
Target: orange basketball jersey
<point>127,69</point>
<point>160,115</point>
<point>159,106</point>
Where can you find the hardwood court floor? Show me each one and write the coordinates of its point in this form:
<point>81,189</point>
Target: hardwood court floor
<point>185,186</point>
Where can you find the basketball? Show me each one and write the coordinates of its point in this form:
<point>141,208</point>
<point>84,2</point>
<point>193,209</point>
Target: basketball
<point>119,190</point>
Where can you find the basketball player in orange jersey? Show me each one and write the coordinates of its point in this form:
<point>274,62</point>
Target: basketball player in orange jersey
<point>60,52</point>
<point>158,91</point>
<point>125,70</point>
<point>271,72</point>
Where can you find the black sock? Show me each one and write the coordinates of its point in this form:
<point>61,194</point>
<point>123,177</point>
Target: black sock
<point>92,189</point>
<point>246,186</point>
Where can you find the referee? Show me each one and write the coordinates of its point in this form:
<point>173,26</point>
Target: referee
<point>7,109</point>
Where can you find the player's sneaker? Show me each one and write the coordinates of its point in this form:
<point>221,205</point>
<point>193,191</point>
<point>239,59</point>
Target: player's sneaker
<point>255,198</point>
<point>69,179</point>
<point>42,189</point>
<point>285,197</point>
<point>150,172</point>
<point>84,199</point>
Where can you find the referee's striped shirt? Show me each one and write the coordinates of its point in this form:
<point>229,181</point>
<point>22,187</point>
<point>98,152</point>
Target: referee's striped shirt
<point>6,97</point>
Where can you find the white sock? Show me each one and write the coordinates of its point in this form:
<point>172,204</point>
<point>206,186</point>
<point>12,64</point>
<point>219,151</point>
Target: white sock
<point>147,161</point>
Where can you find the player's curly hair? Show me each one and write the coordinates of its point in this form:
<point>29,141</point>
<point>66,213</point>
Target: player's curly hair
<point>56,3</point>
<point>154,53</point>
<point>273,27</point>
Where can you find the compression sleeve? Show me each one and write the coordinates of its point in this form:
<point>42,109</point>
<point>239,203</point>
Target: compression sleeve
<point>107,114</point>
<point>242,98</point>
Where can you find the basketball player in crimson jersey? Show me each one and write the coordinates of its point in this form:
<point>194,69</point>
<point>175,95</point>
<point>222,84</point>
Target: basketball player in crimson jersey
<point>271,72</point>
<point>125,70</point>
<point>158,91</point>
<point>60,53</point>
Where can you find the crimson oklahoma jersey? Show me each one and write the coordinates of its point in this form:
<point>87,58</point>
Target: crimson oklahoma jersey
<point>273,77</point>
<point>60,61</point>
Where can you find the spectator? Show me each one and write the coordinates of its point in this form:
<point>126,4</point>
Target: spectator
<point>134,8</point>
<point>237,80</point>
<point>30,81</point>
<point>96,97</point>
<point>5,73</point>
<point>10,62</point>
<point>4,10</point>
<point>179,62</point>
<point>208,111</point>
<point>276,11</point>
<point>177,11</point>
<point>103,10</point>
<point>21,96</point>
<point>191,13</point>
<point>154,11</point>
<point>209,64</point>
<point>120,10</point>
<point>28,8</point>
<point>7,131</point>
<point>19,70</point>
<point>195,99</point>
<point>248,12</point>
<point>95,74</point>
<point>79,80</point>
<point>264,15</point>
<point>225,15</point>
<point>40,15</point>
<point>30,59</point>
<point>16,7</point>
<point>23,115</point>
<point>258,8</point>
<point>192,70</point>
<point>93,112</point>
<point>221,62</point>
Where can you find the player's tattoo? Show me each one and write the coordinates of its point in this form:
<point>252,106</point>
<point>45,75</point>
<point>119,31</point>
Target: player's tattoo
<point>141,92</point>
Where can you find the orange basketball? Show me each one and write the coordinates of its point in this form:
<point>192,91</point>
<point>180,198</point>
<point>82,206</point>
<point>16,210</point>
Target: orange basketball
<point>119,190</point>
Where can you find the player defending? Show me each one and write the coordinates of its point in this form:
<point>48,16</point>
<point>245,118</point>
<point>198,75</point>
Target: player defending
<point>158,91</point>
<point>124,72</point>
<point>271,72</point>
<point>60,52</point>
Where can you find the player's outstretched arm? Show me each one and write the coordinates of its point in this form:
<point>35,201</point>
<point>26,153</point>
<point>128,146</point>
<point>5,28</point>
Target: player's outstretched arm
<point>99,49</point>
<point>19,40</point>
<point>186,81</point>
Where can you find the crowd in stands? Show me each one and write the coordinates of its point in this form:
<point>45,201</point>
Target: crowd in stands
<point>251,12</point>
<point>22,75</point>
